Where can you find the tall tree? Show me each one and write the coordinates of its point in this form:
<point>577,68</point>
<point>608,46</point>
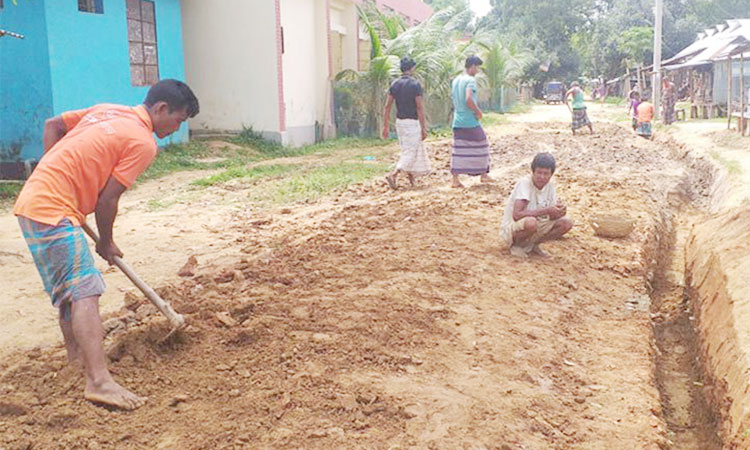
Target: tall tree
<point>547,28</point>
<point>586,36</point>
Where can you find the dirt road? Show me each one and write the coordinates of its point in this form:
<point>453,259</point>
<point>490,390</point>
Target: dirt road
<point>373,318</point>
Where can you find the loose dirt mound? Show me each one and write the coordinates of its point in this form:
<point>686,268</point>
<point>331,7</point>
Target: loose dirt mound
<point>393,319</point>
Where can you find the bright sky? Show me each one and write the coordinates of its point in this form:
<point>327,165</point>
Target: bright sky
<point>480,7</point>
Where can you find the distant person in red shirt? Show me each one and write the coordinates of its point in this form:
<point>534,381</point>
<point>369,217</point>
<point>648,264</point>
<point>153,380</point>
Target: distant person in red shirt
<point>645,116</point>
<point>91,157</point>
<point>635,100</point>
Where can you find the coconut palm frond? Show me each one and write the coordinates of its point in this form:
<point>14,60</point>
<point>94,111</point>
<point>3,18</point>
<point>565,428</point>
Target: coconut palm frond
<point>376,48</point>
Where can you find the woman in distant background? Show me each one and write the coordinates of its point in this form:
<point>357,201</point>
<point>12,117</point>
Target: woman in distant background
<point>669,100</point>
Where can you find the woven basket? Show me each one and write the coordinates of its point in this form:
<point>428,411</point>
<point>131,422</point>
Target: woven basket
<point>612,226</point>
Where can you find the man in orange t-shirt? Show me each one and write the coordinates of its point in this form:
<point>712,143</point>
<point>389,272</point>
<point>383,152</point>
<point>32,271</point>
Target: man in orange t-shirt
<point>91,156</point>
<point>645,116</point>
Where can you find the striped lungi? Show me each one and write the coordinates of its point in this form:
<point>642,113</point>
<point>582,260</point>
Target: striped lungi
<point>63,259</point>
<point>580,118</point>
<point>413,158</point>
<point>471,152</point>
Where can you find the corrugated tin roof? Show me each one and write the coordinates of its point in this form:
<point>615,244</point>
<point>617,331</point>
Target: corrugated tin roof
<point>733,50</point>
<point>712,44</point>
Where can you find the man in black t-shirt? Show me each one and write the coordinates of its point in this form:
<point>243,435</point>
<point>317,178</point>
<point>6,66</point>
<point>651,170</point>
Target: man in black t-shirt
<point>410,124</point>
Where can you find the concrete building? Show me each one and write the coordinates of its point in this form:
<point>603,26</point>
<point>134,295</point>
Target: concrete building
<point>269,64</point>
<point>79,53</point>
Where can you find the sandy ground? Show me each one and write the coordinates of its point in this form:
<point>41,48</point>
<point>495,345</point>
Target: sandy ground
<point>370,319</point>
<point>713,140</point>
<point>155,242</point>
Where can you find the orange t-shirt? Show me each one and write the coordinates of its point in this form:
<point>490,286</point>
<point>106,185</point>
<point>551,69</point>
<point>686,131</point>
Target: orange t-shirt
<point>101,141</point>
<point>645,112</point>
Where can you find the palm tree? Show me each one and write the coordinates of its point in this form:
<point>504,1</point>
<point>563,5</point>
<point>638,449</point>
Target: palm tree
<point>382,68</point>
<point>439,46</point>
<point>436,47</point>
<point>504,64</point>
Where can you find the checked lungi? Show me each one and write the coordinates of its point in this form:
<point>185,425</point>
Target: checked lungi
<point>644,129</point>
<point>580,118</point>
<point>471,152</point>
<point>63,259</point>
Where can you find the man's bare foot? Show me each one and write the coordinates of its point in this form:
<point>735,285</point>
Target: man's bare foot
<point>518,252</point>
<point>112,394</point>
<point>457,184</point>
<point>411,179</point>
<point>391,181</point>
<point>537,251</point>
<point>486,179</point>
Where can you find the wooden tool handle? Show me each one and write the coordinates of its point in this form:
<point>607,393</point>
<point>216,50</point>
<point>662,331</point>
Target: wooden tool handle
<point>176,320</point>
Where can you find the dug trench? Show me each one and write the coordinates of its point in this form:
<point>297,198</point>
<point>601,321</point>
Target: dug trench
<point>381,319</point>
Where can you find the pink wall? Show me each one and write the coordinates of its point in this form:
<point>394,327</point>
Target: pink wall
<point>280,69</point>
<point>415,10</point>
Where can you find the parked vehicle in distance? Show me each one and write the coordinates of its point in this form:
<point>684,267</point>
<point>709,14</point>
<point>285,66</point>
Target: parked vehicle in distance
<point>554,92</point>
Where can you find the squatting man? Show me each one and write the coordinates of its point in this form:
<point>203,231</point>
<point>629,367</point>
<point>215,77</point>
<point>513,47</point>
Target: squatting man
<point>534,214</point>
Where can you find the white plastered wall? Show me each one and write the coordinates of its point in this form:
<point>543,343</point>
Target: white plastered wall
<point>231,64</point>
<point>344,21</point>
<point>307,88</point>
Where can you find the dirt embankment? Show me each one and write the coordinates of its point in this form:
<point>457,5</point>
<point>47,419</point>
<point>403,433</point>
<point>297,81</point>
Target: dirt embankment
<point>718,264</point>
<point>394,320</point>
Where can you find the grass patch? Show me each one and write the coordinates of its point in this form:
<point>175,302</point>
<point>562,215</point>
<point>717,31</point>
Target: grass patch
<point>323,180</point>
<point>521,108</point>
<point>8,193</point>
<point>178,157</point>
<point>614,100</point>
<point>489,118</point>
<point>249,138</point>
<point>248,147</point>
<point>443,131</point>
<point>343,143</point>
<point>245,173</point>
<point>492,118</point>
<point>268,149</point>
<point>733,167</point>
<point>156,204</point>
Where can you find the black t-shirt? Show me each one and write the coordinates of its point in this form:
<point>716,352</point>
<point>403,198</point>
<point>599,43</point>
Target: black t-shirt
<point>405,90</point>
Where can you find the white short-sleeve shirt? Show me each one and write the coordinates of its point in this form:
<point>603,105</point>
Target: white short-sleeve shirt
<point>537,198</point>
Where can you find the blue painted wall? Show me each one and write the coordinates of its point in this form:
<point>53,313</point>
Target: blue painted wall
<point>87,60</point>
<point>25,83</point>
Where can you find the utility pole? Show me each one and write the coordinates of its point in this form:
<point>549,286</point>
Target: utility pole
<point>656,80</point>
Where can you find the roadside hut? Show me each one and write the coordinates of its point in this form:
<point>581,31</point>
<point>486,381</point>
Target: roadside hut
<point>701,70</point>
<point>736,58</point>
